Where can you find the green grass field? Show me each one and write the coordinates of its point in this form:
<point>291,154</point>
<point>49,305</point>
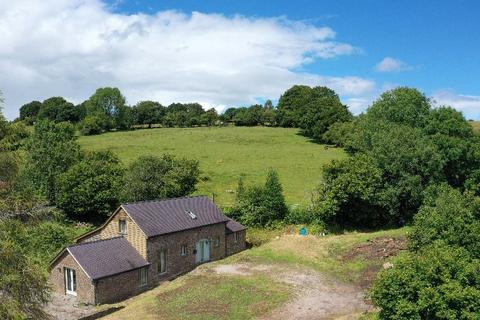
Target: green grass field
<point>476,126</point>
<point>226,152</point>
<point>207,295</point>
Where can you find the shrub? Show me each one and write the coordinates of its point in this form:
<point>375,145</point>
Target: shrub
<point>152,177</point>
<point>92,124</point>
<point>448,216</point>
<point>438,282</point>
<point>90,190</point>
<point>261,205</point>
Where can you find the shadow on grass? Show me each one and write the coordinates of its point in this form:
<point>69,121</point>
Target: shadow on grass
<point>103,313</point>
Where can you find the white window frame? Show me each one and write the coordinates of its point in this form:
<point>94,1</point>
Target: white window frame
<point>143,277</point>
<point>217,242</point>
<point>162,254</point>
<point>70,281</point>
<point>122,226</point>
<point>235,237</point>
<point>183,250</point>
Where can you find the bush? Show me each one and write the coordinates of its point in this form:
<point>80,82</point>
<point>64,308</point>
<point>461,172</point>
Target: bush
<point>92,124</point>
<point>90,189</point>
<point>449,217</point>
<point>438,282</point>
<point>348,195</point>
<point>261,205</point>
<point>151,177</point>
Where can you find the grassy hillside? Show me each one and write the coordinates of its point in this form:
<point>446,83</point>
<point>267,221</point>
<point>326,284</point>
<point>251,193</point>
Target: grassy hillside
<point>309,275</point>
<point>225,153</point>
<point>475,126</point>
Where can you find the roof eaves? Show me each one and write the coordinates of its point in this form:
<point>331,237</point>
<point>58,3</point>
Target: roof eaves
<point>117,273</point>
<point>203,225</point>
<point>81,267</point>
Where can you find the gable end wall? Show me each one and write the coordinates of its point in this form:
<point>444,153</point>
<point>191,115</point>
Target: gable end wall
<point>85,287</point>
<point>134,235</point>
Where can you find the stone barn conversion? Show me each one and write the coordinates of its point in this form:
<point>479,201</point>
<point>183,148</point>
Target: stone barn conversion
<point>143,244</point>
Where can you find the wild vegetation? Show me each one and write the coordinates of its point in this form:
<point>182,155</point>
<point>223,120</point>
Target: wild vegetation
<point>403,162</point>
<point>226,153</point>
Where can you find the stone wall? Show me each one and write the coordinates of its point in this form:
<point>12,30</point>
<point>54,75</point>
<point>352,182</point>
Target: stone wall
<point>176,262</point>
<point>119,287</point>
<point>233,247</point>
<point>134,234</point>
<point>85,288</point>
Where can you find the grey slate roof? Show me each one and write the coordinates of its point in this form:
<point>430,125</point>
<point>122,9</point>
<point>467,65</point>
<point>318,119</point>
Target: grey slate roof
<point>233,226</point>
<point>171,215</point>
<point>104,258</point>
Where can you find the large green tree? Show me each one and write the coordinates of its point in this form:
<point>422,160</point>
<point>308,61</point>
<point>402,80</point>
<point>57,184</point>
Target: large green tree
<point>29,111</point>
<point>402,105</point>
<point>57,109</point>
<point>151,177</point>
<point>148,112</point>
<point>110,104</point>
<point>90,189</point>
<point>314,110</point>
<point>51,150</point>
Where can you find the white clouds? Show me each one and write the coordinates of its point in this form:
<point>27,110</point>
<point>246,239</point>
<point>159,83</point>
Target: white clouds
<point>469,105</point>
<point>71,47</point>
<point>389,64</point>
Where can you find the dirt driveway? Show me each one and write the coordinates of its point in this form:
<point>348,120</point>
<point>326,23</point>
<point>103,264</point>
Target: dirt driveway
<point>315,296</point>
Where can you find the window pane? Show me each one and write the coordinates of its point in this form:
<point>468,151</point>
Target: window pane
<point>74,280</point>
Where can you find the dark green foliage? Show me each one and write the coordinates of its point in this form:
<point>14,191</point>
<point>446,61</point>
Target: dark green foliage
<point>454,138</point>
<point>93,124</point>
<point>399,163</point>
<point>57,109</point>
<point>183,115</point>
<point>228,115</point>
<point>209,118</point>
<point>313,110</point>
<point>23,285</point>
<point>109,103</point>
<point>324,110</point>
<point>15,136</point>
<point>29,111</point>
<point>251,116</point>
<point>51,151</point>
<point>413,145</point>
<point>90,189</point>
<point>438,282</point>
<point>261,205</point>
<point>450,217</point>
<point>348,195</point>
<point>151,177</point>
<point>148,112</point>
<point>402,105</point>
<point>274,199</point>
<point>291,105</point>
<point>448,121</point>
<point>339,133</point>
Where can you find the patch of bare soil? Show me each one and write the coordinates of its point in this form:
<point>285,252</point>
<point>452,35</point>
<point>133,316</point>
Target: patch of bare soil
<point>377,251</point>
<point>315,296</point>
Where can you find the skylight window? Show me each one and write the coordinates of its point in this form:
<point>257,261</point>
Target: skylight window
<point>191,214</point>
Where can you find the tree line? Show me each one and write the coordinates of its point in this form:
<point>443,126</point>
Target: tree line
<point>313,110</point>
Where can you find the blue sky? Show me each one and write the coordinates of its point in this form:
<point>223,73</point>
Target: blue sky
<point>360,48</point>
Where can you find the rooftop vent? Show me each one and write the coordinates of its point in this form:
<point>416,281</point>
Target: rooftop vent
<point>191,214</point>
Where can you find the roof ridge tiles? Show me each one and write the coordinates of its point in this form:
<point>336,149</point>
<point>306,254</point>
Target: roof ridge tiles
<point>166,199</point>
<point>95,241</point>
